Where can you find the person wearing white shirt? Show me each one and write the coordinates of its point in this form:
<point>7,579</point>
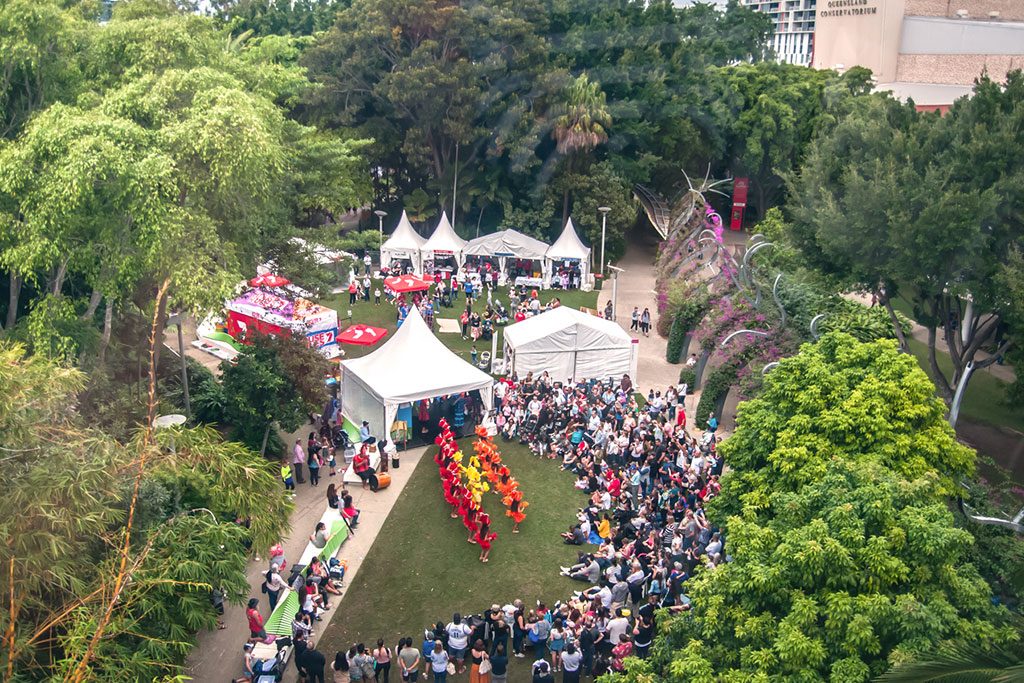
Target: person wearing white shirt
<point>616,627</point>
<point>458,640</point>
<point>534,407</point>
<point>606,596</point>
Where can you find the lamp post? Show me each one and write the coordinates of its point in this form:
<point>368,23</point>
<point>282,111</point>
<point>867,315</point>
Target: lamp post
<point>615,290</point>
<point>176,320</point>
<point>380,226</point>
<point>604,225</point>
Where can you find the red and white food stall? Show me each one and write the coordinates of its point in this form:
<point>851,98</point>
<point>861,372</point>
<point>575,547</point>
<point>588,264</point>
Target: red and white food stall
<point>271,308</point>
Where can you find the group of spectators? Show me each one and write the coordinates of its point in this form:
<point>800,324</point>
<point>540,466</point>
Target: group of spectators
<point>642,533</point>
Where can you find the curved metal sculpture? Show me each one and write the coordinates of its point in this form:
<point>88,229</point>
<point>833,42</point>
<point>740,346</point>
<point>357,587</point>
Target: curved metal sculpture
<point>729,338</point>
<point>769,367</point>
<point>753,250</point>
<point>814,325</point>
<point>1015,524</point>
<point>778,302</point>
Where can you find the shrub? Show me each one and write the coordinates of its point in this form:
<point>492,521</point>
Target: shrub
<point>714,390</point>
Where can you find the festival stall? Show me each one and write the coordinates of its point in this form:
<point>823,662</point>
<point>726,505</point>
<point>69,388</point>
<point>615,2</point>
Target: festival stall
<point>402,248</point>
<point>570,344</point>
<point>442,253</point>
<point>410,366</point>
<point>362,335</point>
<point>512,253</point>
<point>568,253</point>
<point>401,284</point>
<point>273,306</point>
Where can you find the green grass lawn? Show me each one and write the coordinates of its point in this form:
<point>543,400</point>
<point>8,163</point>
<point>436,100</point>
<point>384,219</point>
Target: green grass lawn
<point>985,400</point>
<point>421,570</point>
<point>384,315</point>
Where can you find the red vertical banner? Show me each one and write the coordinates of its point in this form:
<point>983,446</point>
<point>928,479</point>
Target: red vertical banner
<point>740,186</point>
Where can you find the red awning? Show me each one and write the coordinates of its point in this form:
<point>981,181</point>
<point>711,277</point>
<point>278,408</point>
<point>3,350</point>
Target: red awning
<point>269,280</point>
<point>363,335</point>
<point>406,283</point>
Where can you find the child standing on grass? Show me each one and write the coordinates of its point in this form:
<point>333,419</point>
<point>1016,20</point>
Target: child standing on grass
<point>376,296</point>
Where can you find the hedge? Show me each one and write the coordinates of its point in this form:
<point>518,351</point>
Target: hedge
<point>716,386</point>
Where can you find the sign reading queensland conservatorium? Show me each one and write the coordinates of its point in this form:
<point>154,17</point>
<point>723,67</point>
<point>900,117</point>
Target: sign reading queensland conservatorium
<point>847,8</point>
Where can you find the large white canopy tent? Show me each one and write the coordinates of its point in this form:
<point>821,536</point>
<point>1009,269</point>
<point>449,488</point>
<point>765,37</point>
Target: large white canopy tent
<point>570,344</point>
<point>568,247</point>
<point>444,242</point>
<point>506,244</point>
<point>411,366</point>
<point>404,243</point>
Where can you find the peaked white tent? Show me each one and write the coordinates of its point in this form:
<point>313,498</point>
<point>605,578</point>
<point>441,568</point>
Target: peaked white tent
<point>506,244</point>
<point>570,344</point>
<point>444,242</point>
<point>404,243</point>
<point>568,247</point>
<point>411,366</point>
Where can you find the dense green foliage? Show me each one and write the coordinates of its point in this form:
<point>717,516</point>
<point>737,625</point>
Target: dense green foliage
<point>273,379</point>
<point>936,204</point>
<point>71,491</point>
<point>844,558</point>
<point>171,158</point>
<point>542,109</point>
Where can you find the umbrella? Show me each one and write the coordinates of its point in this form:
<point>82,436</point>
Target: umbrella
<point>269,280</point>
<point>362,334</point>
<point>406,283</point>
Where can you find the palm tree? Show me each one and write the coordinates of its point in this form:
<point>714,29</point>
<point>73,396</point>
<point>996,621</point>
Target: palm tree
<point>960,665</point>
<point>582,125</point>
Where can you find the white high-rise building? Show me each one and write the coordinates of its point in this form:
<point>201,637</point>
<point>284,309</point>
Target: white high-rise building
<point>793,22</point>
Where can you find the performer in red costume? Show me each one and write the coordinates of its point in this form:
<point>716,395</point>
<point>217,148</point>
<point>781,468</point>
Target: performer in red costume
<point>484,536</point>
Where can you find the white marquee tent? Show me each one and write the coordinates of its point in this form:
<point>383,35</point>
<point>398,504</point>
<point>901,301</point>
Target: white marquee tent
<point>506,244</point>
<point>404,243</point>
<point>444,242</point>
<point>412,365</point>
<point>568,247</point>
<point>570,344</point>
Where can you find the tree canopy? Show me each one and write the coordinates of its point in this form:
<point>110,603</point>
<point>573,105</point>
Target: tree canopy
<point>928,208</point>
<point>844,559</point>
<point>75,494</point>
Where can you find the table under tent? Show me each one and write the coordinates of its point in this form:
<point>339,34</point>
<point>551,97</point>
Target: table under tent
<point>570,257</point>
<point>442,252</point>
<point>514,256</point>
<point>401,250</point>
<point>388,387</point>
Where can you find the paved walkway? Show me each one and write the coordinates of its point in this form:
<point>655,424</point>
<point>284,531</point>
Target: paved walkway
<point>217,656</point>
<point>636,288</point>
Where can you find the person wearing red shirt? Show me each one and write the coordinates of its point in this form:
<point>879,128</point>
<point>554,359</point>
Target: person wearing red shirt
<point>256,629</point>
<point>361,465</point>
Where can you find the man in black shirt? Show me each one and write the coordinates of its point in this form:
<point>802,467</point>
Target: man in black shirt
<point>311,664</point>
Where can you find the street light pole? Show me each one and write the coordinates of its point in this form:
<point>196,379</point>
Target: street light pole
<point>604,226</point>
<point>380,226</point>
<point>176,319</point>
<point>615,290</point>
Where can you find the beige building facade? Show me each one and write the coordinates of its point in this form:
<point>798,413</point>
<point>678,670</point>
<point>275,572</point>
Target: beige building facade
<point>926,50</point>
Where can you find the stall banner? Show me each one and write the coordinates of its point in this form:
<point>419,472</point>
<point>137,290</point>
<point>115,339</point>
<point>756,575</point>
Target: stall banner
<point>323,338</point>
